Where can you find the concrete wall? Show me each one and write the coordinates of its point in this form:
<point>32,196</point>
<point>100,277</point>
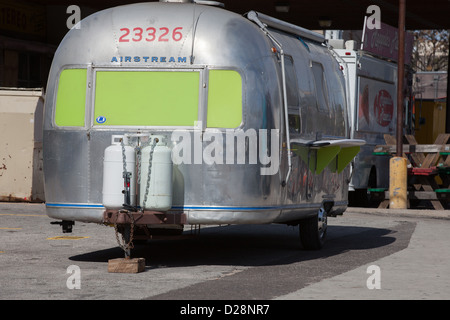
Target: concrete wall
<point>21,165</point>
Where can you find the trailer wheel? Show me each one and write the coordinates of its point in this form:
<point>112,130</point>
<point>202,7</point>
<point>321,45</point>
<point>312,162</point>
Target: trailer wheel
<point>313,231</point>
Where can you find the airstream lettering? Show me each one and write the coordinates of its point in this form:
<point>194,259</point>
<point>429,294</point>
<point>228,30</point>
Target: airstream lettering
<point>233,120</point>
<point>147,59</point>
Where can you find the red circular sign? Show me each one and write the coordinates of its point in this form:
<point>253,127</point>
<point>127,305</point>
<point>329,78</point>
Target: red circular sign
<point>383,108</point>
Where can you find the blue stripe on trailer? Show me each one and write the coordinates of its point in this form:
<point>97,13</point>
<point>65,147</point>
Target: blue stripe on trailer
<point>99,206</point>
<point>73,205</point>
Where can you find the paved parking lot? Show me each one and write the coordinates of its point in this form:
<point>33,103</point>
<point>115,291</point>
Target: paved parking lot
<point>370,254</point>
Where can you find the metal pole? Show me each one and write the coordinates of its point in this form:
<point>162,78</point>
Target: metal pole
<point>397,165</point>
<point>400,76</point>
<point>447,125</point>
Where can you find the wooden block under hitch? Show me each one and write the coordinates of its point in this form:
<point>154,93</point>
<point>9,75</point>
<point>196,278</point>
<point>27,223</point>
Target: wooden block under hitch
<point>124,265</point>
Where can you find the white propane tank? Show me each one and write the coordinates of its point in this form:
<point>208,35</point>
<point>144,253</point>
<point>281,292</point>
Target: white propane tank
<point>159,197</point>
<point>113,182</point>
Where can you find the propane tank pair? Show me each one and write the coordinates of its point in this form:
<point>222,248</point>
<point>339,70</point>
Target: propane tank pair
<point>158,194</point>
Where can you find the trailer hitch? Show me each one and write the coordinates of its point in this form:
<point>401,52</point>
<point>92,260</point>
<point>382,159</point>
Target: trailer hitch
<point>66,225</point>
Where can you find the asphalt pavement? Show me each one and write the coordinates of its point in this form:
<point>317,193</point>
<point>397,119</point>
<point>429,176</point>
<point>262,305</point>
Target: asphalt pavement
<point>371,254</point>
<point>421,271</point>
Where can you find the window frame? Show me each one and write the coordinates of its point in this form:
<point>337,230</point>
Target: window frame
<point>323,87</point>
<point>56,94</point>
<point>200,106</point>
<point>242,78</point>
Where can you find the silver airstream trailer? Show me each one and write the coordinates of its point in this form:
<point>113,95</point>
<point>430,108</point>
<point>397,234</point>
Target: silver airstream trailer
<point>164,114</point>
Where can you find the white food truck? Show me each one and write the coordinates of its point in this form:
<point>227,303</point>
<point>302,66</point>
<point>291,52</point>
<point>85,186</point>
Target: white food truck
<point>371,76</point>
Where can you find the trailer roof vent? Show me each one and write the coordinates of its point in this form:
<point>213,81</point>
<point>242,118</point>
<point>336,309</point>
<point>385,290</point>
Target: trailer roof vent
<point>210,3</point>
<point>204,2</point>
<point>179,1</point>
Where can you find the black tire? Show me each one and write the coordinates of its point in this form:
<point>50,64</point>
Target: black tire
<point>313,231</point>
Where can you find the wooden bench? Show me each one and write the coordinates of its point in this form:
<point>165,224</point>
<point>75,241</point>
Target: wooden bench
<point>428,170</point>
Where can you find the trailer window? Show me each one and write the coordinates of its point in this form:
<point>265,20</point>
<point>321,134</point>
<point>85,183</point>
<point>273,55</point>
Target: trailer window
<point>146,98</point>
<point>321,88</point>
<point>71,98</point>
<point>291,82</point>
<point>224,99</point>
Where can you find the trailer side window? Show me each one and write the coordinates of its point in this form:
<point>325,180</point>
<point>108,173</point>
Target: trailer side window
<point>291,82</point>
<point>338,100</point>
<point>224,99</point>
<point>71,98</point>
<point>146,98</point>
<point>321,88</point>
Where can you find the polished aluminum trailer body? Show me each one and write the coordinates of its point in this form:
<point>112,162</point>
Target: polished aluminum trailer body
<point>200,51</point>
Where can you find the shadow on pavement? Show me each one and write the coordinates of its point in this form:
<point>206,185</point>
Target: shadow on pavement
<point>257,245</point>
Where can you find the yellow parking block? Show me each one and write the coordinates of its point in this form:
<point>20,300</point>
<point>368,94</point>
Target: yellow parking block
<point>67,238</point>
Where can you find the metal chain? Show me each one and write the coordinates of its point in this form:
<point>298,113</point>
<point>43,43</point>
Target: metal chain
<point>124,156</point>
<point>126,176</point>
<point>147,187</point>
<point>138,150</point>
<point>126,246</point>
<point>139,157</point>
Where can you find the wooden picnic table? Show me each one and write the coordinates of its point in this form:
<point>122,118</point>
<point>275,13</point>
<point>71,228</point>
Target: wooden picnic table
<point>428,170</point>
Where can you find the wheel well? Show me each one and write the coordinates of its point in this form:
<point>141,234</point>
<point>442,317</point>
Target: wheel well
<point>327,205</point>
<point>372,181</point>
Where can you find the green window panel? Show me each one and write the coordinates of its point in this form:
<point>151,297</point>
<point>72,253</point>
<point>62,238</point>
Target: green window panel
<point>319,159</point>
<point>146,98</point>
<point>346,156</point>
<point>71,98</point>
<point>324,157</point>
<point>224,99</point>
